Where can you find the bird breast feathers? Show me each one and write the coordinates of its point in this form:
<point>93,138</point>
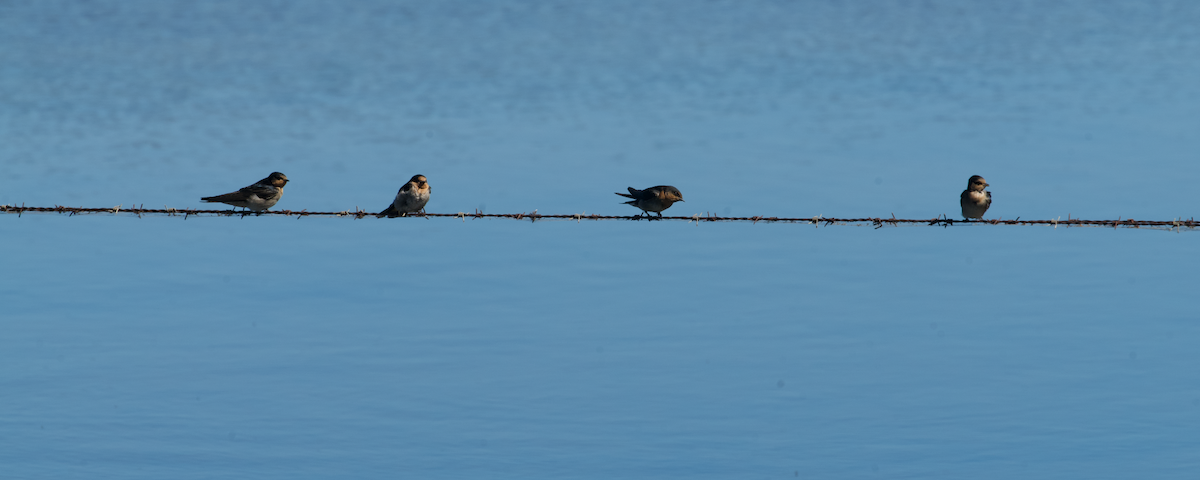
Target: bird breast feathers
<point>978,198</point>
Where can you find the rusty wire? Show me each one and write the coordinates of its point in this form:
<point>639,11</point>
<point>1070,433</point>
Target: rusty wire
<point>877,222</point>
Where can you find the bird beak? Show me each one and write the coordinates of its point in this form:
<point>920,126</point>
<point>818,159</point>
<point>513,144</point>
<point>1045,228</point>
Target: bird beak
<point>987,184</point>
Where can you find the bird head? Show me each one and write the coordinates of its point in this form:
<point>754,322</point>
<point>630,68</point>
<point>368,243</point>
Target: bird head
<point>277,179</point>
<point>671,194</point>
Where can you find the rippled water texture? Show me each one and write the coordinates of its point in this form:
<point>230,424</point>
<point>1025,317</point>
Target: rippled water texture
<point>336,348</point>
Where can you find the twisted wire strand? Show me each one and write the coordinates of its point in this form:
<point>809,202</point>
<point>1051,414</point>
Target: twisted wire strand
<point>877,222</point>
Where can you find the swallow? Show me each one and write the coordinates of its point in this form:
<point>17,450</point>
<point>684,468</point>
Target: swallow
<point>411,198</point>
<point>258,197</point>
<point>975,200</point>
<point>653,199</point>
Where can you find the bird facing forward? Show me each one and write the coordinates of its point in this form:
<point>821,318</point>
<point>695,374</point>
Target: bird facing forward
<point>653,199</point>
<point>975,200</point>
<point>411,198</point>
<point>258,197</point>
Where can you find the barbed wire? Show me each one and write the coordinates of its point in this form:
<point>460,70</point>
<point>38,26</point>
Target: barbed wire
<point>877,222</point>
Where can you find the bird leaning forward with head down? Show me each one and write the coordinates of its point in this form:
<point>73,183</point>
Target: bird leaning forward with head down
<point>975,200</point>
<point>653,199</point>
<point>258,197</point>
<point>411,198</point>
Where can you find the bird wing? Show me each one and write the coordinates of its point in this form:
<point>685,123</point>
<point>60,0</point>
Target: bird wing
<point>237,196</point>
<point>265,192</point>
<point>408,186</point>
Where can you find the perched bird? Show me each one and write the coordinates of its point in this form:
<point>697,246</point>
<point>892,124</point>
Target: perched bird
<point>258,197</point>
<point>411,198</point>
<point>975,200</point>
<point>653,199</point>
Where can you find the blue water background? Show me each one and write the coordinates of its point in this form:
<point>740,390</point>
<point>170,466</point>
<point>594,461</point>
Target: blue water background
<point>337,348</point>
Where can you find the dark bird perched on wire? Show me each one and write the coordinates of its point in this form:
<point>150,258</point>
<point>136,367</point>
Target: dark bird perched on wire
<point>975,200</point>
<point>258,197</point>
<point>653,199</point>
<point>411,198</point>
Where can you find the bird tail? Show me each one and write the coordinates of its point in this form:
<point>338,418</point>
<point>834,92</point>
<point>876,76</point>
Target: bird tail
<point>389,212</point>
<point>632,193</point>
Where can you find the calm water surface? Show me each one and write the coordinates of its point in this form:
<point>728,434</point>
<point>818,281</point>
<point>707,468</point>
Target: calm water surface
<point>318,348</point>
